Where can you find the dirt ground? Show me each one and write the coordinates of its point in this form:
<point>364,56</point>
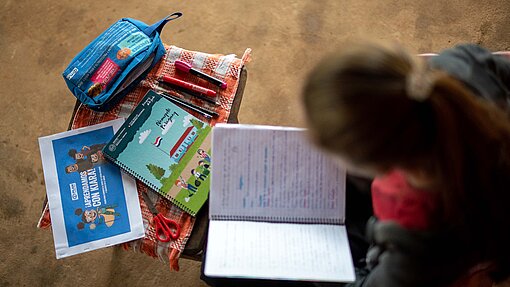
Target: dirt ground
<point>39,38</point>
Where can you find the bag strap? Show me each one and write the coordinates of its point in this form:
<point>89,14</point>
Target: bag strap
<point>158,26</point>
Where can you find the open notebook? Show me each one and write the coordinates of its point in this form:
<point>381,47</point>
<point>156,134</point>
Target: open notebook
<point>277,207</point>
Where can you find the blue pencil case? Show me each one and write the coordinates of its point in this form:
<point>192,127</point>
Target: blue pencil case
<point>116,61</point>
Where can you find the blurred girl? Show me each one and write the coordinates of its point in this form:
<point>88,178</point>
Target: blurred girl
<point>437,139</point>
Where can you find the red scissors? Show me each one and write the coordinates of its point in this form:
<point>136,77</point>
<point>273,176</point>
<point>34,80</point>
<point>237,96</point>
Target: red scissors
<point>163,225</point>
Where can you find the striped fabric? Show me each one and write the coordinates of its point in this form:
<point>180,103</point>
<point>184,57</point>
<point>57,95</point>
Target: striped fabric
<point>224,67</point>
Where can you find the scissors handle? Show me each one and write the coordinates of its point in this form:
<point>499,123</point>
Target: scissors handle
<point>164,228</point>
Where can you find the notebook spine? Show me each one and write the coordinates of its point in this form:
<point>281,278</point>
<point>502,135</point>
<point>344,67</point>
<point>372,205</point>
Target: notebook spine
<point>135,175</point>
<point>277,219</point>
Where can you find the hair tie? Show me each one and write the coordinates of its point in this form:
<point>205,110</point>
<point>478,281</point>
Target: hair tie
<point>419,84</point>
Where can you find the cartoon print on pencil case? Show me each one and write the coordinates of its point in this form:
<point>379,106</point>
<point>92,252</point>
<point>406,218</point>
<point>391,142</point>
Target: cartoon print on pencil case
<point>123,53</point>
<point>93,217</point>
<point>95,89</point>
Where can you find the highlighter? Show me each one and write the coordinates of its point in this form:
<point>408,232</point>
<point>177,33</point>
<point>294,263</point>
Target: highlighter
<point>189,86</point>
<point>185,67</point>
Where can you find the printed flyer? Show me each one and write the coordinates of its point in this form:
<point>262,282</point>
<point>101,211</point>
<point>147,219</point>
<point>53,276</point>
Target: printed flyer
<point>92,203</point>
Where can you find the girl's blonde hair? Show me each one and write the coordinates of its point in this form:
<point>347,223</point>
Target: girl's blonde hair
<point>378,106</point>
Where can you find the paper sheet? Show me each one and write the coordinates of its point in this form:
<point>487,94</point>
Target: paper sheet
<point>278,251</point>
<point>274,172</point>
<point>92,203</point>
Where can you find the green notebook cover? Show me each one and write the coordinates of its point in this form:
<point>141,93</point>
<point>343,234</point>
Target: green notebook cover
<point>168,149</point>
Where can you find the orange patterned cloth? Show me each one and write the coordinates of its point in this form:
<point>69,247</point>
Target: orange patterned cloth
<point>225,67</point>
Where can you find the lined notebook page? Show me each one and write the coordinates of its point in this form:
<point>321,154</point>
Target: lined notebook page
<point>278,251</point>
<point>273,173</point>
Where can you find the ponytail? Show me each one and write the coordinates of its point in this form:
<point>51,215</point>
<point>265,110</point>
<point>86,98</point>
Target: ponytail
<point>358,105</point>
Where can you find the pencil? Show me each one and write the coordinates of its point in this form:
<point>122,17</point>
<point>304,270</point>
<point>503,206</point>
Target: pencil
<point>204,112</point>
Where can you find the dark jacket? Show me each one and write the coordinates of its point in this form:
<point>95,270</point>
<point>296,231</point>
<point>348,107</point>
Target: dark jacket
<point>402,257</point>
<point>486,74</point>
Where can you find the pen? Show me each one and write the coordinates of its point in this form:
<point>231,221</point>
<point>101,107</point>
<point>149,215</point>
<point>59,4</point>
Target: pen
<point>204,112</point>
<point>189,86</point>
<point>183,66</point>
<point>191,94</point>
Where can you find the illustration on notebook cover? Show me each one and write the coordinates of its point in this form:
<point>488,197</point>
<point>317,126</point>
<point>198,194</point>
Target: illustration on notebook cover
<point>168,149</point>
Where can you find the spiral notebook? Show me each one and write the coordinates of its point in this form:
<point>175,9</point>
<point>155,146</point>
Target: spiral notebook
<point>168,149</point>
<point>277,207</point>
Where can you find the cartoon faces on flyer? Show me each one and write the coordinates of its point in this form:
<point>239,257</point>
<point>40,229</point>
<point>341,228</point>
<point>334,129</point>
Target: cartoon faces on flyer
<point>96,216</point>
<point>85,161</point>
<point>86,158</point>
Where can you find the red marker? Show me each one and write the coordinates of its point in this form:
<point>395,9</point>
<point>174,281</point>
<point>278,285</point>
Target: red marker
<point>183,66</point>
<point>189,86</point>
